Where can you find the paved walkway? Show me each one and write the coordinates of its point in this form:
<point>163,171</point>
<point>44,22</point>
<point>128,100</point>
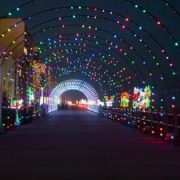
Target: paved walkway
<point>79,145</point>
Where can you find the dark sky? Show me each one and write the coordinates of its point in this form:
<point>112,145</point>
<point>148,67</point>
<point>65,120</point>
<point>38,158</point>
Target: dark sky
<point>73,96</point>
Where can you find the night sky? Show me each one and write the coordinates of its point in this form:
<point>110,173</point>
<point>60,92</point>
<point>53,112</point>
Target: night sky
<point>114,45</point>
<point>73,96</point>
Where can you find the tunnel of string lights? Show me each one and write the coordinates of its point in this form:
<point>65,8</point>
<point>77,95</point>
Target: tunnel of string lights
<point>113,45</point>
<point>72,84</point>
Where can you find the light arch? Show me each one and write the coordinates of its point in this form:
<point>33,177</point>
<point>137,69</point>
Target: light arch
<point>73,84</point>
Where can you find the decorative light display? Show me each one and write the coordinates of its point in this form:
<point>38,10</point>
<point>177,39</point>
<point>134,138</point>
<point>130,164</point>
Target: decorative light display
<point>109,100</point>
<point>73,84</point>
<point>83,102</point>
<point>44,100</point>
<point>16,104</point>
<point>142,98</point>
<point>39,70</point>
<point>96,52</point>
<point>125,98</point>
<point>31,95</point>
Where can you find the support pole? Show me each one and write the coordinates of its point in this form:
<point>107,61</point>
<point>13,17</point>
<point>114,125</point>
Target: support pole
<point>17,91</point>
<point>1,125</point>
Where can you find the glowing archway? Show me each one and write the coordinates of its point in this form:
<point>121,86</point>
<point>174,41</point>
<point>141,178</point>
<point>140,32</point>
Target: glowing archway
<point>72,84</point>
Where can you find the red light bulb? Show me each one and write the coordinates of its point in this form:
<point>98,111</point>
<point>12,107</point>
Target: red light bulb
<point>173,106</point>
